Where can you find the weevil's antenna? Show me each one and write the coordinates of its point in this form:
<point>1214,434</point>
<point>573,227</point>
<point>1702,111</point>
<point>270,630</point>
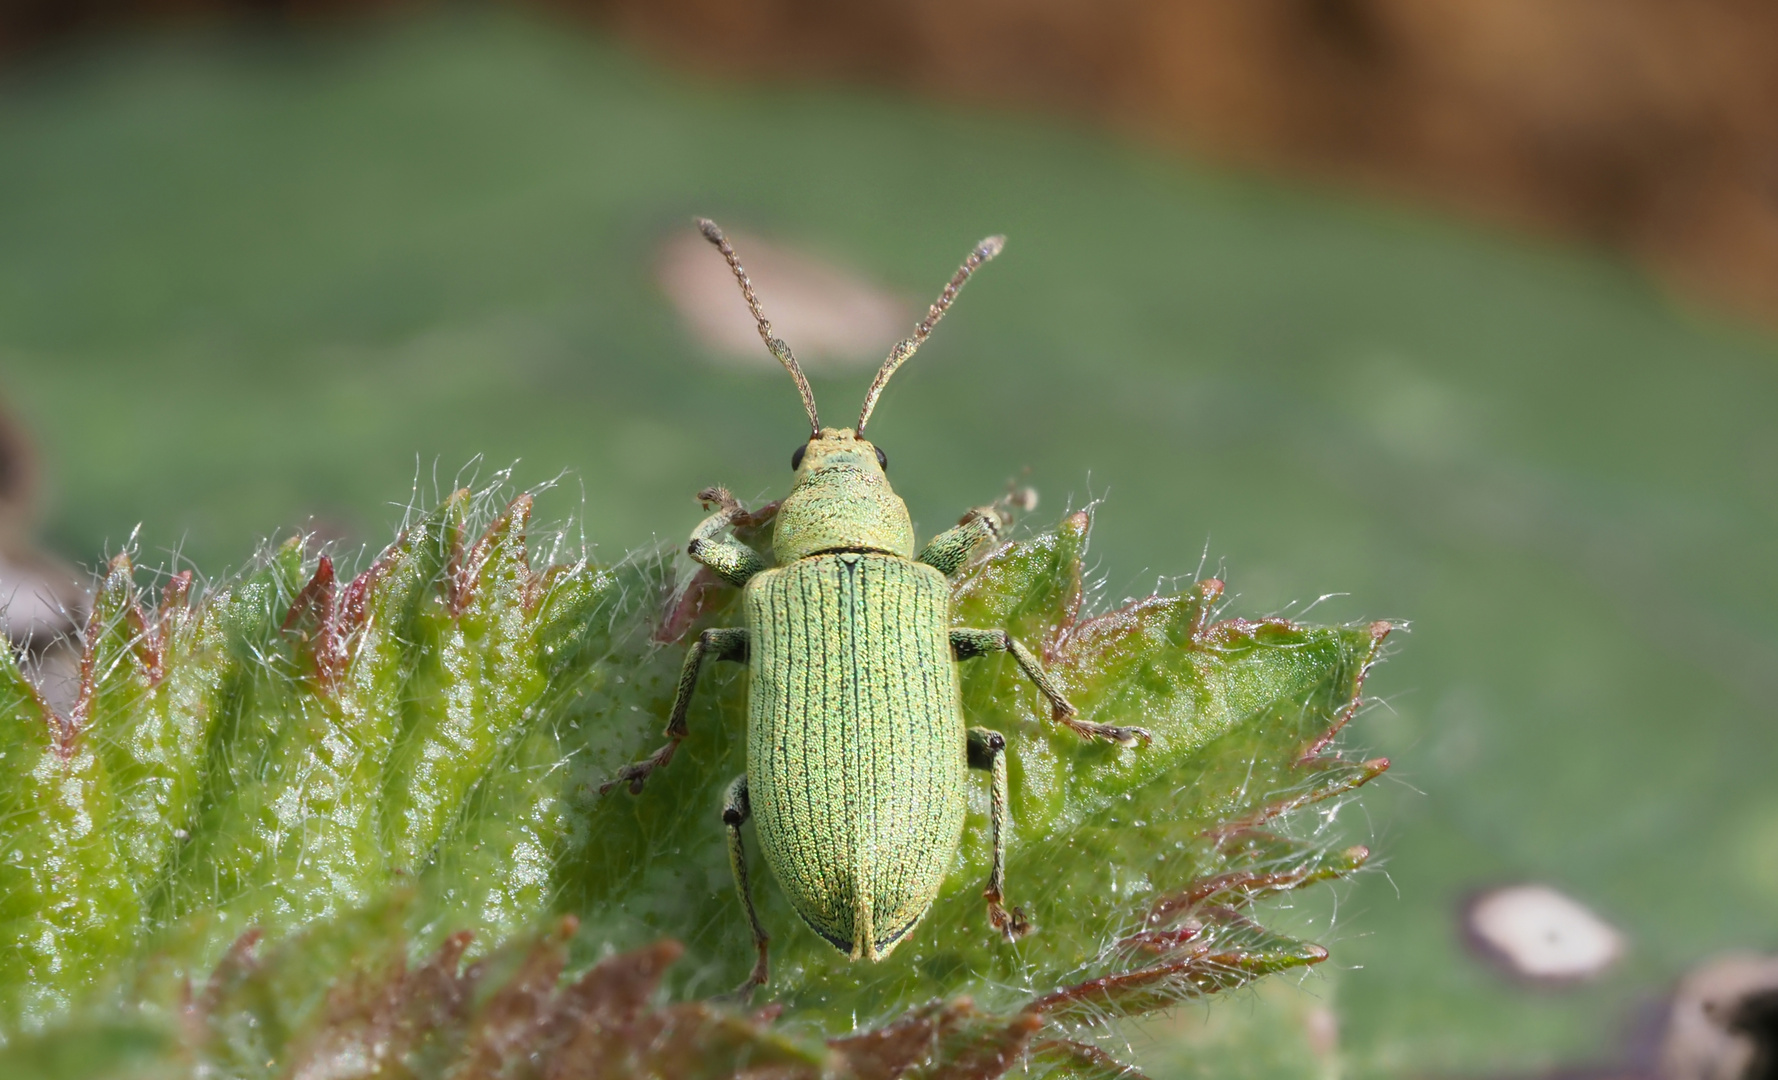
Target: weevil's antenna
<point>776,346</point>
<point>898,356</point>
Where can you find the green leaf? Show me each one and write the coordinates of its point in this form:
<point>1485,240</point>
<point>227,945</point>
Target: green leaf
<point>364,822</point>
<point>66,899</point>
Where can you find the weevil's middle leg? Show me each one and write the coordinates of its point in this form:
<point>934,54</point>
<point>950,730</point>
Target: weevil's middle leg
<point>735,811</point>
<point>726,644</point>
<point>987,751</point>
<point>966,644</point>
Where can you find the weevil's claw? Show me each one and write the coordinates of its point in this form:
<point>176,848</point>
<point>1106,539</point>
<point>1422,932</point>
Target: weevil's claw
<point>634,776</point>
<point>719,498</point>
<point>761,970</point>
<point>740,997</point>
<point>761,973</point>
<point>1020,925</point>
<point>1012,925</point>
<point>1123,736</point>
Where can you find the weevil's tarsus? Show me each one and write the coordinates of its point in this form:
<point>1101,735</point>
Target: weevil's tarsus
<point>967,644</point>
<point>1019,499</point>
<point>724,644</point>
<point>720,499</point>
<point>906,347</point>
<point>736,809</point>
<point>987,751</point>
<point>775,345</point>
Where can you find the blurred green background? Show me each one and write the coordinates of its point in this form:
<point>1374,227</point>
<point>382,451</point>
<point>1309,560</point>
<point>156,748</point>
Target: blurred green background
<point>252,283</point>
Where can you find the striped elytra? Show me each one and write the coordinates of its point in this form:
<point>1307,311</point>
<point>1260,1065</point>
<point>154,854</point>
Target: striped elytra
<point>856,746</point>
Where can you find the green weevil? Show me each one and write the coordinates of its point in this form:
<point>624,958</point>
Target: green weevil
<point>857,748</point>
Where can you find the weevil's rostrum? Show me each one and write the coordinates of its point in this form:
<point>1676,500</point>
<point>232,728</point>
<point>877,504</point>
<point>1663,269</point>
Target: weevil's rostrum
<point>857,747</point>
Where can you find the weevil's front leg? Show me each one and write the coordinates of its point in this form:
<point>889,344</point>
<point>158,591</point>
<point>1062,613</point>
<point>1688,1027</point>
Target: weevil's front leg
<point>949,550</point>
<point>987,751</point>
<point>728,644</point>
<point>731,560</point>
<point>966,644</point>
<point>735,811</point>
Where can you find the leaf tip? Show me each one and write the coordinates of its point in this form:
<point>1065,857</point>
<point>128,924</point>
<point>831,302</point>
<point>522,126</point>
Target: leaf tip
<point>177,590</point>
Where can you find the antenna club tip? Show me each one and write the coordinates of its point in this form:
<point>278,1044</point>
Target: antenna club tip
<point>990,247</point>
<point>712,232</point>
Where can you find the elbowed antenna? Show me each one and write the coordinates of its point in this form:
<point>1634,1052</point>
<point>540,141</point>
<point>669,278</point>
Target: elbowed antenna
<point>904,348</point>
<point>776,346</point>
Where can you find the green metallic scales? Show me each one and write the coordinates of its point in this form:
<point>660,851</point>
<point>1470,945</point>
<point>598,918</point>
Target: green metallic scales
<point>856,745</point>
<point>840,500</point>
<point>856,748</point>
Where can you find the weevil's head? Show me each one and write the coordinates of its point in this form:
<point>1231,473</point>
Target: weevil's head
<point>840,499</point>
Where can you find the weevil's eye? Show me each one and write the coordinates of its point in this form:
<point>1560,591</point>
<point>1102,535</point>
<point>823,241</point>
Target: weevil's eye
<point>882,458</point>
<point>796,457</point>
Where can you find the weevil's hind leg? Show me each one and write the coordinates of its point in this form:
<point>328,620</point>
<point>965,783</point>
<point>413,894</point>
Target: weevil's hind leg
<point>735,812</point>
<point>987,751</point>
<point>726,644</point>
<point>949,550</point>
<point>967,644</point>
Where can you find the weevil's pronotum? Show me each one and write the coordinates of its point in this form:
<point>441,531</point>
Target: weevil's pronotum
<point>857,748</point>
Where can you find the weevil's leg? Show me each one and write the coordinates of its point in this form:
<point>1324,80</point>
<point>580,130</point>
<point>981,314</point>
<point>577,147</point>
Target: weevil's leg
<point>735,812</point>
<point>987,751</point>
<point>949,550</point>
<point>732,561</point>
<point>966,644</point>
<point>727,644</point>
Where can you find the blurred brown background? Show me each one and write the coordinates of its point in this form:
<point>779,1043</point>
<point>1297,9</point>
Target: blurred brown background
<point>1650,127</point>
